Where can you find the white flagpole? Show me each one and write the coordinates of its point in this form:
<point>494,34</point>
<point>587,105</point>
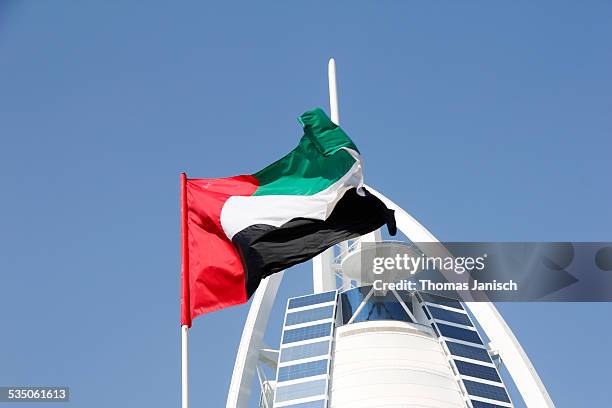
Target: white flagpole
<point>185,365</point>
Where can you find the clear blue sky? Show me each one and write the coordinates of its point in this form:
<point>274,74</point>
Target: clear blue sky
<point>486,121</point>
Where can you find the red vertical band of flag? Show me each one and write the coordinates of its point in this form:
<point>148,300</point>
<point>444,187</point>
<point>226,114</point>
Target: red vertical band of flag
<point>185,305</point>
<point>212,274</point>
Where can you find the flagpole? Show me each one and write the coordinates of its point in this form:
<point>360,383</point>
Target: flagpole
<point>185,365</point>
<point>185,315</point>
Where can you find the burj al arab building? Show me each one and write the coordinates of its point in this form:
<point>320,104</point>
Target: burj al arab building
<point>345,346</point>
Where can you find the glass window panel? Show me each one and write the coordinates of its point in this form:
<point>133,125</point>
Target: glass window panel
<point>382,310</point>
<point>441,300</point>
<point>454,317</point>
<point>459,333</point>
<point>301,390</point>
<point>406,298</point>
<point>310,315</point>
<point>480,404</point>
<point>486,391</point>
<point>307,333</point>
<point>312,299</point>
<point>309,369</point>
<point>477,370</point>
<point>312,404</point>
<point>351,300</point>
<point>385,307</point>
<point>426,313</point>
<point>304,351</point>
<point>463,350</point>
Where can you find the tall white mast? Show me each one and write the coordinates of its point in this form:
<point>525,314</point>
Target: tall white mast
<point>323,275</point>
<point>333,91</point>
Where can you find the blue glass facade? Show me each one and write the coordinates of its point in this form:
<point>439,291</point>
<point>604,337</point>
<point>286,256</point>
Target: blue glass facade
<point>466,351</point>
<point>451,322</point>
<point>295,371</point>
<point>450,316</point>
<point>311,404</point>
<point>312,299</point>
<point>480,404</point>
<point>459,333</point>
<point>300,390</point>
<point>486,391</point>
<point>426,313</point>
<point>310,315</point>
<point>441,300</point>
<point>376,308</point>
<point>305,351</point>
<point>477,370</point>
<point>307,333</point>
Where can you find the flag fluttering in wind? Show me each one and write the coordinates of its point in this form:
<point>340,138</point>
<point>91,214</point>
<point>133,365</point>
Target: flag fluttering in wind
<point>238,230</point>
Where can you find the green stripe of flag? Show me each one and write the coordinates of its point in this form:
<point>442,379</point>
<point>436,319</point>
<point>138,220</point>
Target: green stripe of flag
<point>315,164</point>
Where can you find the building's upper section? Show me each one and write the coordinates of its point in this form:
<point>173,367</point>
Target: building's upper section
<point>405,347</point>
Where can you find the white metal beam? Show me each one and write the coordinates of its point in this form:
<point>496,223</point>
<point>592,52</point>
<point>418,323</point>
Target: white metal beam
<point>252,341</point>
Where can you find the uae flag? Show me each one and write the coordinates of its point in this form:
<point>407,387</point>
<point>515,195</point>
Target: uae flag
<point>238,230</point>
